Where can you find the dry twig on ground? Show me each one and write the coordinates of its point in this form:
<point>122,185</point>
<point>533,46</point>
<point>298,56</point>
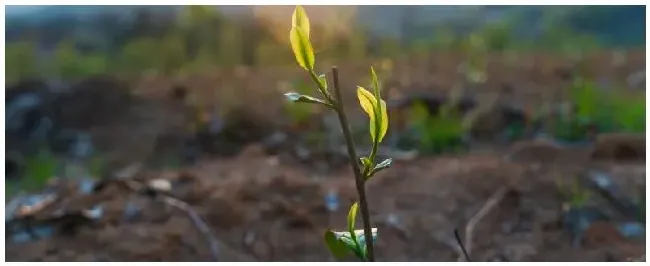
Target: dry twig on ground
<point>471,225</point>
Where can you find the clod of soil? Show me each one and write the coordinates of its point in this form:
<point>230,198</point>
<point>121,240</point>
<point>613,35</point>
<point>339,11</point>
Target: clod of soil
<point>620,147</point>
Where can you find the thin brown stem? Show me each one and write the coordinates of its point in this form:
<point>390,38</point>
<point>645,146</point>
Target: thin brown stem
<point>343,119</point>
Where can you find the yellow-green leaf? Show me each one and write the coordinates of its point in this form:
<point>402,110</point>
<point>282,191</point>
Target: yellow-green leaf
<point>300,19</point>
<point>352,218</point>
<point>384,121</point>
<point>302,49</point>
<point>375,83</point>
<point>367,101</point>
<point>338,249</point>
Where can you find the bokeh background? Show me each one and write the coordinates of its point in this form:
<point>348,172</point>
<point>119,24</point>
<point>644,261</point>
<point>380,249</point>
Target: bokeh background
<point>537,112</point>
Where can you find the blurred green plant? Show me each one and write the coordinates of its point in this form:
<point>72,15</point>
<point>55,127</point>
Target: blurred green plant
<point>444,39</point>
<point>572,193</point>
<point>37,171</point>
<point>69,64</point>
<point>20,61</point>
<point>229,49</point>
<point>629,113</point>
<point>96,166</point>
<point>571,129</point>
<point>607,110</point>
<point>358,242</point>
<point>433,134</point>
<point>497,36</point>
<point>474,67</point>
<point>390,47</point>
<point>140,55</point>
<point>173,54</point>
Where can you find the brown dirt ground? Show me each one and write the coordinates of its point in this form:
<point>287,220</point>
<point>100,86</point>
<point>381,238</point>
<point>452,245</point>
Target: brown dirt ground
<point>261,209</point>
<point>282,212</point>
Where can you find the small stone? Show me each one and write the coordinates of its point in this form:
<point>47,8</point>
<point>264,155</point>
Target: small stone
<point>631,229</point>
<point>160,185</point>
<point>95,213</point>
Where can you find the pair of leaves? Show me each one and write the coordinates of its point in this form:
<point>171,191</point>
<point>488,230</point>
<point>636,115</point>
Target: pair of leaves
<point>375,107</point>
<point>367,164</point>
<point>301,98</point>
<point>299,38</point>
<point>342,243</point>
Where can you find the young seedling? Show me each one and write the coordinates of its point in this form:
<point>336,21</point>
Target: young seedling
<point>574,195</point>
<point>351,241</point>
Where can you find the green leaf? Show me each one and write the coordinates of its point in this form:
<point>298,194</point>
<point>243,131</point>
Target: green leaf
<point>346,239</point>
<point>381,166</point>
<point>375,83</point>
<point>383,125</point>
<point>300,19</point>
<point>352,218</point>
<point>338,248</point>
<point>323,81</point>
<point>368,102</point>
<point>380,109</point>
<point>300,98</point>
<point>299,37</point>
<point>356,247</point>
<point>302,49</point>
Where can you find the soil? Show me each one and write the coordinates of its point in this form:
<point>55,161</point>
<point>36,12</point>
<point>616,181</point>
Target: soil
<point>261,206</point>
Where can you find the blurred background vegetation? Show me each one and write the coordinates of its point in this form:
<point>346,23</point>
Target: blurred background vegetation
<point>67,44</point>
<point>72,42</point>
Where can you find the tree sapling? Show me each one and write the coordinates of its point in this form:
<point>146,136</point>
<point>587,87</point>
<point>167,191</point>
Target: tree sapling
<point>353,241</point>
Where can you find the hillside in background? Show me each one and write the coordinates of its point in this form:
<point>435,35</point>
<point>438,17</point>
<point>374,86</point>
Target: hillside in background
<point>612,25</point>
